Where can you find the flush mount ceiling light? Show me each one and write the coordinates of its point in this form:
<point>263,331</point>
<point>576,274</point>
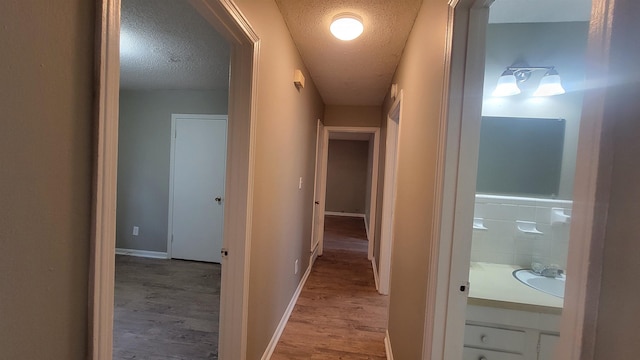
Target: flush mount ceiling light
<point>550,83</point>
<point>346,26</point>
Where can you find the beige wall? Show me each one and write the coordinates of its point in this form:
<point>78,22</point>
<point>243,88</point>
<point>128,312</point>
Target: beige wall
<point>347,165</point>
<point>420,75</point>
<point>285,151</point>
<point>46,95</point>
<point>356,116</point>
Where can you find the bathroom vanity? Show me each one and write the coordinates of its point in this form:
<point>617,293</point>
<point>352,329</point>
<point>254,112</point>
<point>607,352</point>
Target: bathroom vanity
<point>507,320</point>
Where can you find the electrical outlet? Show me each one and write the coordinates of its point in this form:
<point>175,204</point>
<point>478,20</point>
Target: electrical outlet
<point>296,267</point>
<point>136,231</point>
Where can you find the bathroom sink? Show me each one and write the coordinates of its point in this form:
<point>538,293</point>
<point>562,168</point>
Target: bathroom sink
<point>551,286</point>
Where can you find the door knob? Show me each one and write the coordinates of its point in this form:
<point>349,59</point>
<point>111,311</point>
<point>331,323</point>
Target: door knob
<point>317,202</point>
<point>218,199</point>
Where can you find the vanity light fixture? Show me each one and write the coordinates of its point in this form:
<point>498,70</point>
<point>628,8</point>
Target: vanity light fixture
<point>550,84</point>
<point>507,84</point>
<point>346,26</point>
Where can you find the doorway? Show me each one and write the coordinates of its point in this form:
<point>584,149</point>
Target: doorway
<point>459,223</point>
<point>369,134</point>
<point>228,20</point>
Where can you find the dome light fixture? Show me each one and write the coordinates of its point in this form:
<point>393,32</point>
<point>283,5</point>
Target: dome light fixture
<point>346,26</point>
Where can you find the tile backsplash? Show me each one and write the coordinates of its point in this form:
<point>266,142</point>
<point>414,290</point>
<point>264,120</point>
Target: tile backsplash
<point>518,230</point>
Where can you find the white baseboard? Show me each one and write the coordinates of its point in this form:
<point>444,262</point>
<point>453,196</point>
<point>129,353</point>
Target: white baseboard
<point>375,273</point>
<point>336,213</point>
<point>314,256</point>
<point>285,318</point>
<point>142,253</point>
<point>387,346</point>
<point>366,227</point>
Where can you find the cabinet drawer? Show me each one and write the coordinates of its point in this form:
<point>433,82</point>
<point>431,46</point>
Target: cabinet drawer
<point>493,338</point>
<point>480,354</point>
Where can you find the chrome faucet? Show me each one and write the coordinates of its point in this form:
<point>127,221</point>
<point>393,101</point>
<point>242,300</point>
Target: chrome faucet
<point>550,271</point>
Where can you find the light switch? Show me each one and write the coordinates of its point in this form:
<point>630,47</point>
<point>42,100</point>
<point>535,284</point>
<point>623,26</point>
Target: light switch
<point>300,183</point>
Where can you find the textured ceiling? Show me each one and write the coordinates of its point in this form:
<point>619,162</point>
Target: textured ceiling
<point>168,45</point>
<point>356,72</point>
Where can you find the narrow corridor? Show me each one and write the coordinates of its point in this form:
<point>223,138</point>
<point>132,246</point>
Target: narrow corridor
<point>339,314</point>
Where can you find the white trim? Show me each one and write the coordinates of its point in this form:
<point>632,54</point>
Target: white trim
<point>366,228</point>
<point>394,119</point>
<point>102,266</point>
<point>456,174</point>
<point>317,223</point>
<point>374,175</point>
<point>142,253</point>
<point>225,16</point>
<point>387,346</point>
<point>376,278</point>
<point>345,214</point>
<point>285,317</point>
<point>313,257</point>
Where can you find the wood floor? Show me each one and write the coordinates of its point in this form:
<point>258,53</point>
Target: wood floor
<point>168,309</point>
<point>165,309</point>
<point>339,314</point>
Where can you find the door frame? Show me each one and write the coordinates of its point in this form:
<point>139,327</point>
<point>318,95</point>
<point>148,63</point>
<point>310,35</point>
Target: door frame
<point>374,180</point>
<point>317,225</point>
<point>228,20</point>
<point>446,303</point>
<point>174,118</point>
<point>394,119</point>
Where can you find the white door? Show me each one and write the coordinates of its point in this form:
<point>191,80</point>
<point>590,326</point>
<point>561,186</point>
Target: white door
<point>317,231</point>
<point>199,148</point>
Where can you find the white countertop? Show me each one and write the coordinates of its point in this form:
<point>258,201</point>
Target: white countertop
<point>494,285</point>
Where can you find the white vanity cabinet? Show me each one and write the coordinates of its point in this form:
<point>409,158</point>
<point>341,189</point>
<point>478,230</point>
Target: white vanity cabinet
<point>493,333</point>
<point>547,345</point>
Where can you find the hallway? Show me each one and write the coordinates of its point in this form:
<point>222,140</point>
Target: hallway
<point>339,314</point>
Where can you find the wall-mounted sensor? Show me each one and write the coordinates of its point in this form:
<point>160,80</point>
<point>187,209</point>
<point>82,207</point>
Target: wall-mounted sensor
<point>298,79</point>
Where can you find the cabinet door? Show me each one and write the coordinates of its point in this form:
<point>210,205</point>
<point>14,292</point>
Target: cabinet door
<point>546,346</point>
<point>481,354</point>
<point>487,337</point>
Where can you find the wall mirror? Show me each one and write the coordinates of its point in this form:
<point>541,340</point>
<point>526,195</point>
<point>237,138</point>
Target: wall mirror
<point>520,156</point>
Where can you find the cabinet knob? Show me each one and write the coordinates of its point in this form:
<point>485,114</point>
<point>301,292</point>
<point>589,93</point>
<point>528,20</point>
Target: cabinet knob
<point>484,339</point>
<point>482,358</point>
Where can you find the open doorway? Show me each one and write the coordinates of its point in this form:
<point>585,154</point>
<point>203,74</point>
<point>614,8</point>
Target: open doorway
<point>352,191</point>
<point>509,228</point>
<point>242,45</point>
<point>174,78</point>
